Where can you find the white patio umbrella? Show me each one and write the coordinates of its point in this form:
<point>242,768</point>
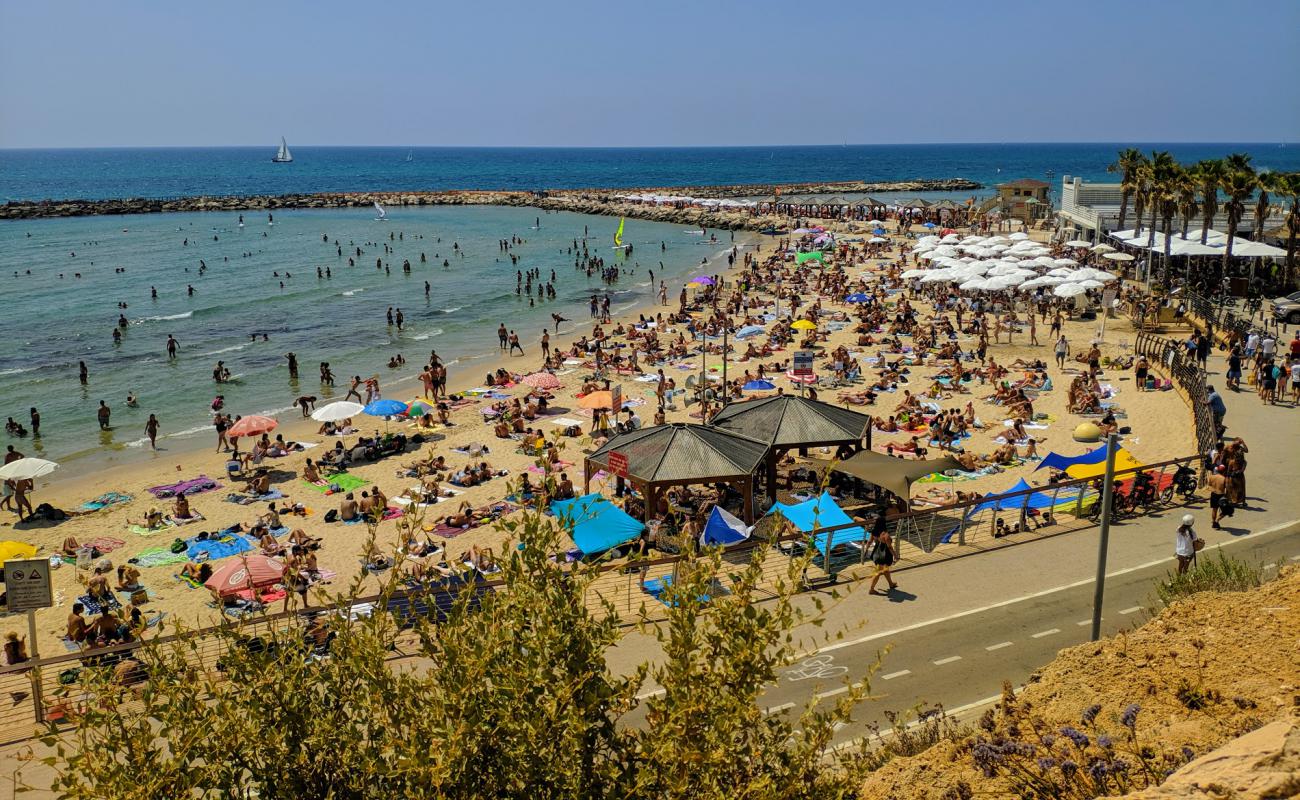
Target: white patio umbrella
<point>1069,290</point>
<point>1118,256</point>
<point>1018,236</point>
<point>877,240</point>
<point>1103,276</point>
<point>973,285</point>
<point>1103,248</point>
<point>337,411</point>
<point>915,273</point>
<point>1060,272</point>
<point>1091,284</point>
<point>939,276</point>
<point>25,469</point>
<point>1064,262</point>
<point>1046,261</point>
<point>1078,243</point>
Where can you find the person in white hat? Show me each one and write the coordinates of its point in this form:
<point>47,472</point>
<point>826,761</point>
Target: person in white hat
<point>1185,543</point>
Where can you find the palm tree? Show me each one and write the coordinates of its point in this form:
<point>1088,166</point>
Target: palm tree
<point>1186,185</point>
<point>1237,185</point>
<point>1209,174</point>
<point>1127,165</point>
<point>1290,186</point>
<point>1141,188</point>
<point>1171,201</point>
<point>1266,182</point>
<point>1161,171</point>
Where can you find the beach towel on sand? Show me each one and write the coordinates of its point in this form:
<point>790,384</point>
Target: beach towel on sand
<point>228,544</point>
<point>159,556</point>
<point>249,499</point>
<point>105,500</point>
<point>193,486</point>
<point>345,481</point>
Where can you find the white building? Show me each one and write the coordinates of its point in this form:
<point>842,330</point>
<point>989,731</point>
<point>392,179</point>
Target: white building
<point>1088,209</point>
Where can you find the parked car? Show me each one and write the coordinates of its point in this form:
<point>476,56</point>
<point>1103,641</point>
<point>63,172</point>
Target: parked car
<point>1287,309</point>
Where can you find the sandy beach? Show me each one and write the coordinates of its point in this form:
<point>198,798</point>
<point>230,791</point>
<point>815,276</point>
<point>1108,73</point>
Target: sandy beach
<point>1159,420</point>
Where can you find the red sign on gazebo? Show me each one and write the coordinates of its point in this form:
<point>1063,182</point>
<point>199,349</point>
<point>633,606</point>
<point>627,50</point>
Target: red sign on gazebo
<point>618,464</point>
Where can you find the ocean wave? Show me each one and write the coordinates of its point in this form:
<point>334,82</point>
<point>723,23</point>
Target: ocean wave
<point>16,370</point>
<point>428,335</point>
<point>275,411</point>
<point>163,318</point>
<point>452,310</point>
<point>230,349</point>
<point>353,292</point>
<point>191,431</point>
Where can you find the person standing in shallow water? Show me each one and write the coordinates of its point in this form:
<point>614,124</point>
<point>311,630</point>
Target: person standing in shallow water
<point>103,413</point>
<point>151,430</point>
<point>83,373</point>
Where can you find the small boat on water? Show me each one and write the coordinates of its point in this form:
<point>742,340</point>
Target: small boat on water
<point>283,156</point>
<point>381,215</point>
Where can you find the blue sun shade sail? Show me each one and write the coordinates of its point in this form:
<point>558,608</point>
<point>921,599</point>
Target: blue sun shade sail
<point>723,529</point>
<point>999,501</point>
<point>1058,461</point>
<point>596,524</point>
<point>821,513</point>
<point>759,386</point>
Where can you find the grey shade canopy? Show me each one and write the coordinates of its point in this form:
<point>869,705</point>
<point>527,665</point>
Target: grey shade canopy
<point>915,202</point>
<point>893,474</point>
<point>683,453</point>
<point>947,204</point>
<point>792,421</point>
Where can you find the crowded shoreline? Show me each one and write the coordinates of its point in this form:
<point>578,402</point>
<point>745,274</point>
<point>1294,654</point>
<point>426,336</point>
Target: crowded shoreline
<point>484,455</point>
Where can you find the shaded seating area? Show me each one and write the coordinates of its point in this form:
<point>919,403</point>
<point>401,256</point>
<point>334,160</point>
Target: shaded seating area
<point>894,475</point>
<point>818,514</point>
<point>680,454</point>
<point>788,422</point>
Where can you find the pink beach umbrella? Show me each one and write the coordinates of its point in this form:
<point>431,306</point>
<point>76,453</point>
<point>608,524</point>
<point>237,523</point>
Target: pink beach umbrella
<point>801,378</point>
<point>541,380</point>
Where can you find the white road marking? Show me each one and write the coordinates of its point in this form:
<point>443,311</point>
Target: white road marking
<point>947,660</point>
<point>1083,622</point>
<point>654,693</point>
<point>831,693</point>
<point>1047,632</point>
<point>998,646</point>
<point>1131,610</point>
<point>1254,537</point>
<point>898,674</point>
<point>950,712</point>
<point>1270,566</point>
<point>778,709</point>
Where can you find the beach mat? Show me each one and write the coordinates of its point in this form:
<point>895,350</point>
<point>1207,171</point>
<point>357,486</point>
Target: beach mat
<point>344,481</point>
<point>229,544</point>
<point>105,500</point>
<point>249,499</point>
<point>192,486</point>
<point>159,556</point>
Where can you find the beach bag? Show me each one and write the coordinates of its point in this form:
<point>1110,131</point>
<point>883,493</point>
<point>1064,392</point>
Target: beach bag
<point>178,546</point>
<point>881,555</point>
<point>332,515</point>
<point>1198,544</point>
<point>139,596</point>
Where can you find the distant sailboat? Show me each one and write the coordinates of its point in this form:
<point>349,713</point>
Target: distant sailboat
<point>383,216</point>
<point>283,156</point>
<point>410,155</point>
<point>618,235</point>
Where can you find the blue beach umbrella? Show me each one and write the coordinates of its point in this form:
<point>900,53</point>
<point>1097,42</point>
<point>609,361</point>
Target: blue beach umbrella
<point>749,331</point>
<point>858,297</point>
<point>929,225</point>
<point>385,408</point>
<point>759,386</point>
<point>879,231</point>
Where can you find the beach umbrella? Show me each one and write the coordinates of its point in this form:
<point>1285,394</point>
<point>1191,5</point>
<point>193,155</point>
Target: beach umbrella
<point>929,225</point>
<point>11,550</point>
<point>1069,290</point>
<point>879,231</point>
<point>1103,248</point>
<point>858,297</point>
<point>252,425</point>
<point>749,331</point>
<point>1089,283</point>
<point>385,408</point>
<point>1078,243</point>
<point>1064,262</point>
<point>419,407</point>
<point>804,325</point>
<point>1018,236</point>
<point>915,273</point>
<point>245,575</point>
<point>337,411</point>
<point>1103,276</point>
<point>807,379</point>
<point>759,385</point>
<point>1118,256</point>
<point>601,399</point>
<point>877,240</point>
<point>541,380</point>
<point>25,469</point>
<point>972,285</point>
<point>704,280</point>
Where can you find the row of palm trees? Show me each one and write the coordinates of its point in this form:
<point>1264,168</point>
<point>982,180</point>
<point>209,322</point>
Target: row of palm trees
<point>1162,189</point>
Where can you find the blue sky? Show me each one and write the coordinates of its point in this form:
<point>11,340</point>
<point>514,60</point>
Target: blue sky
<point>76,74</point>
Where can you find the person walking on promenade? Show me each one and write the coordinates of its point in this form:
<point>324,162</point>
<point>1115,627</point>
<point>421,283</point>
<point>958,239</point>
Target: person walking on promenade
<point>883,554</point>
<point>1185,546</point>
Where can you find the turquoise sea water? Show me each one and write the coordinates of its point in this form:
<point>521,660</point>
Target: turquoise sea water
<point>53,319</point>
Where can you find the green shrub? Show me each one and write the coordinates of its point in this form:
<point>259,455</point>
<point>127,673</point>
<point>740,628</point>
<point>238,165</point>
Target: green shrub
<point>1219,574</point>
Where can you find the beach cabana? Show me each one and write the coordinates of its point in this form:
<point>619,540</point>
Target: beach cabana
<point>894,475</point>
<point>595,523</point>
<point>786,422</point>
<point>680,454</point>
<point>818,514</point>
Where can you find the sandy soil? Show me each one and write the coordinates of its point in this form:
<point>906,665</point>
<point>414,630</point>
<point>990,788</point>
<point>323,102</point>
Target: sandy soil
<point>1161,430</point>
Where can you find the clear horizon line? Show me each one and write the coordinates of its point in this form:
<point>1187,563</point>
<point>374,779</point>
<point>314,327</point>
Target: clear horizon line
<point>633,146</point>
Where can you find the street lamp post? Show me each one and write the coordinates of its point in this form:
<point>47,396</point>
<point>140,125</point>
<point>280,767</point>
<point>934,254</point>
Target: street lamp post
<point>1090,433</point>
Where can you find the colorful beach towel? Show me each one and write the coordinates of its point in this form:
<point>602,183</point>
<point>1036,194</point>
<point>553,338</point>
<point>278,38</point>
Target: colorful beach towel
<point>159,556</point>
<point>105,500</point>
<point>193,486</point>
<point>229,544</point>
<point>99,606</point>
<point>344,482</point>
<point>249,499</point>
<point>104,544</point>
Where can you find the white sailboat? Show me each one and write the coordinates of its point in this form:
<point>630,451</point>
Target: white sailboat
<point>283,156</point>
<point>410,155</point>
<point>379,210</point>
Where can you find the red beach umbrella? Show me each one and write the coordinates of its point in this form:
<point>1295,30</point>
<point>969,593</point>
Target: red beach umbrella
<point>254,425</point>
<point>243,574</point>
<point>541,380</point>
